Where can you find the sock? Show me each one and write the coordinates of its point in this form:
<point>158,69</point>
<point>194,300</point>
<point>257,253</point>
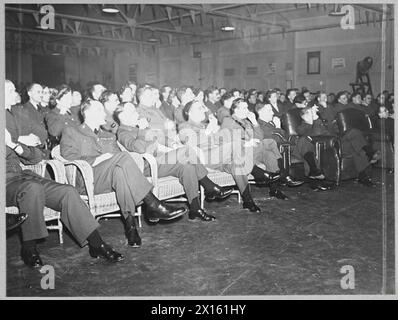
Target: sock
<point>283,170</point>
<point>257,173</point>
<point>30,244</point>
<point>207,183</point>
<point>195,205</point>
<point>272,187</point>
<point>310,158</point>
<point>246,195</point>
<point>94,239</point>
<point>129,221</point>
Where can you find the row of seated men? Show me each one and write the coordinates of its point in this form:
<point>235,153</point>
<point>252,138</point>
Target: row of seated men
<point>203,133</point>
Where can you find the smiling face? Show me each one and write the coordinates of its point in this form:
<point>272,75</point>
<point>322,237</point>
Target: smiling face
<point>266,113</point>
<point>241,111</point>
<point>126,95</point>
<point>197,112</point>
<point>65,101</point>
<point>273,98</point>
<point>343,99</point>
<point>45,96</point>
<point>76,98</point>
<point>9,94</point>
<point>35,93</point>
<point>96,113</point>
<point>112,103</point>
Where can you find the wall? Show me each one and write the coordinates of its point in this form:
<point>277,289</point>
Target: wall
<point>288,55</point>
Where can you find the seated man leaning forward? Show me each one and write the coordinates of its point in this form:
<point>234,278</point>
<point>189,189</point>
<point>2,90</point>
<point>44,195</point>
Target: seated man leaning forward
<point>266,151</point>
<point>113,170</point>
<point>302,148</point>
<point>220,150</point>
<point>134,134</point>
<point>352,143</point>
<point>31,193</point>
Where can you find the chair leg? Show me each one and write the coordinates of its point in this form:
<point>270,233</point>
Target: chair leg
<point>202,197</point>
<point>60,232</point>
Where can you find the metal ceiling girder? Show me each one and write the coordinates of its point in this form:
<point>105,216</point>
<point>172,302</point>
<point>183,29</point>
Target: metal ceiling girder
<point>225,14</point>
<point>99,21</point>
<point>73,35</point>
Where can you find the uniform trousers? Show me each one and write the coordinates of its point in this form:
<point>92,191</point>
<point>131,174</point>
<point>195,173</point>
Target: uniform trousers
<point>31,193</point>
<point>122,175</point>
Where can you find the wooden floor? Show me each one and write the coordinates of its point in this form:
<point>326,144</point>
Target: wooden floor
<point>292,247</point>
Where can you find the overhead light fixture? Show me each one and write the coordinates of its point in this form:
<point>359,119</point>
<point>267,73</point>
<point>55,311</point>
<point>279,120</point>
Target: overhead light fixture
<point>336,12</point>
<point>109,8</point>
<point>152,38</point>
<point>228,28</point>
<point>55,54</point>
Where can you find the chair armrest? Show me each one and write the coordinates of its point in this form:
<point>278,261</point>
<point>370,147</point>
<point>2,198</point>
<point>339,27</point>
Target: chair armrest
<point>327,141</point>
<point>88,176</point>
<point>58,169</point>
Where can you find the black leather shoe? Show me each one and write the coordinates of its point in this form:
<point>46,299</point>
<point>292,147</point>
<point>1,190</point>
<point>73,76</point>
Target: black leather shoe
<point>288,180</point>
<point>251,206</point>
<point>268,177</point>
<point>15,220</point>
<point>133,238</point>
<point>278,194</point>
<point>163,211</point>
<point>31,258</point>
<point>218,193</point>
<point>106,252</point>
<point>201,214</point>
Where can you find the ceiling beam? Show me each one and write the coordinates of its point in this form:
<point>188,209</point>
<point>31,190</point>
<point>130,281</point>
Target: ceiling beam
<point>104,22</point>
<point>229,6</point>
<point>295,8</point>
<point>73,35</point>
<point>228,15</point>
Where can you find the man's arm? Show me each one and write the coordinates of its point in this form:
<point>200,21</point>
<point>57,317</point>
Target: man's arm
<point>131,141</point>
<point>70,146</point>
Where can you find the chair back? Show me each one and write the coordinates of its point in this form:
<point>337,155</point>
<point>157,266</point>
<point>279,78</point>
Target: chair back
<point>353,119</point>
<point>290,121</point>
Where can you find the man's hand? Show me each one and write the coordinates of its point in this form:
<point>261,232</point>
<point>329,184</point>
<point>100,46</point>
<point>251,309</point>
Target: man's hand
<point>102,158</point>
<point>252,143</point>
<point>277,122</point>
<point>143,123</point>
<point>31,140</point>
<point>8,140</point>
<point>252,117</point>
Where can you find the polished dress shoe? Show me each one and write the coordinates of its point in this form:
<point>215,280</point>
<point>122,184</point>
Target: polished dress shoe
<point>200,214</point>
<point>163,211</point>
<point>133,238</point>
<point>251,206</point>
<point>15,220</point>
<point>106,252</point>
<point>268,177</point>
<point>218,193</point>
<point>31,258</point>
<point>278,194</point>
<point>288,180</point>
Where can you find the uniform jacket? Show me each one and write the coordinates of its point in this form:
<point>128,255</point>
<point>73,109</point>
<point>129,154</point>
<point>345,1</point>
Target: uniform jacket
<point>270,131</point>
<point>56,122</point>
<point>81,143</point>
<point>246,128</point>
<point>30,120</point>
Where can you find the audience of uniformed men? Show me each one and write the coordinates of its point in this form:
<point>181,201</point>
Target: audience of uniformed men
<point>186,129</point>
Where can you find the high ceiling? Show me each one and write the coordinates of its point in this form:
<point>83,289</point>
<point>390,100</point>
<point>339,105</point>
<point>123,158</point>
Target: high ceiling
<point>86,26</point>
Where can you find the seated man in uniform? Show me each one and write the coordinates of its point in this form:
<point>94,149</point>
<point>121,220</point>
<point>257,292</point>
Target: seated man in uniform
<point>183,162</point>
<point>302,148</point>
<point>31,193</point>
<point>113,170</point>
<point>352,143</point>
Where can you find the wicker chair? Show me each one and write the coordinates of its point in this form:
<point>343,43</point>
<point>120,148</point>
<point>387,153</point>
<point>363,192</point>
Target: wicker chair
<point>101,205</point>
<point>165,188</point>
<point>49,214</point>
